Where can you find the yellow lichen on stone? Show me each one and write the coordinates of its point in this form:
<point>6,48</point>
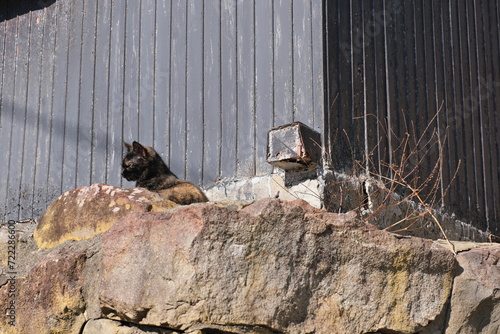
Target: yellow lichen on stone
<point>67,306</point>
<point>398,280</point>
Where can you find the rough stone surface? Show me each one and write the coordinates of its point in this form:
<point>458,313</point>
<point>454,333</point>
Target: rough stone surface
<point>475,301</point>
<point>49,299</point>
<point>269,267</point>
<point>85,212</point>
<point>283,265</point>
<point>338,192</point>
<point>13,236</point>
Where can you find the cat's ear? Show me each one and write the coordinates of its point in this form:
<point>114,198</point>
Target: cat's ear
<point>139,149</point>
<point>127,146</point>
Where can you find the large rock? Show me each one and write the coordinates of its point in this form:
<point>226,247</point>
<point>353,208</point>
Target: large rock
<point>88,211</point>
<point>475,302</point>
<point>50,298</point>
<point>267,268</point>
<point>283,265</point>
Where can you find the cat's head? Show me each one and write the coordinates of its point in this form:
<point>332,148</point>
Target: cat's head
<point>136,161</point>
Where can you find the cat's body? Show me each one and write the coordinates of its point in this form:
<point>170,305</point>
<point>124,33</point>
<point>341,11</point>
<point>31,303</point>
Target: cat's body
<point>145,166</point>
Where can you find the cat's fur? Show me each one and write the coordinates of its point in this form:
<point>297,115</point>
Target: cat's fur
<point>145,166</point>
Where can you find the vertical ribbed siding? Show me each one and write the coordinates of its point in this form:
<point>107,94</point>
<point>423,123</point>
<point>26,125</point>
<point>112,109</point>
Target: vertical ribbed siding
<point>201,81</point>
<point>393,65</point>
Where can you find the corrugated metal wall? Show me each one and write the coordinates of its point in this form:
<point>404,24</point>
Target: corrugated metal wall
<point>201,81</point>
<point>393,65</point>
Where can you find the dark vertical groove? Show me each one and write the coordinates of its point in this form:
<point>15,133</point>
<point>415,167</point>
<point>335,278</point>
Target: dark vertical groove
<point>471,32</point>
<point>155,34</point>
<point>328,126</point>
<point>379,131</point>
<point>387,88</point>
<point>461,97</point>
<point>254,107</point>
<point>452,132</point>
<point>364,144</point>
<point>313,106</point>
<point>63,129</point>
<point>219,172</point>
<point>202,167</point>
<point>79,99</point>
<point>66,100</point>
<point>56,10</point>
<point>79,94</point>
<point>2,66</point>
<point>437,102</point>
<point>16,61</point>
<point>124,76</point>
<point>482,101</point>
<point>139,70</point>
<point>496,105</point>
<point>39,103</point>
<point>237,88</point>
<point>170,89</point>
<point>28,59</point>
<point>108,94</point>
<point>274,65</point>
<point>352,71</point>
<point>292,91</point>
<point>186,93</point>
<point>327,138</point>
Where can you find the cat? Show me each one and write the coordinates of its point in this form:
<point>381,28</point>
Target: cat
<point>145,166</point>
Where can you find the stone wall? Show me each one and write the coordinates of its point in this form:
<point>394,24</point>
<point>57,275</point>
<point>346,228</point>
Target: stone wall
<point>272,266</point>
<point>338,192</point>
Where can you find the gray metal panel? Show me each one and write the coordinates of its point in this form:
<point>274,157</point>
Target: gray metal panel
<point>116,100</point>
<point>229,94</point>
<point>201,81</point>
<point>15,188</point>
<point>245,55</point>
<point>147,72</point>
<point>78,94</point>
<point>7,114</point>
<point>194,92</point>
<point>101,142</point>
<point>212,90</point>
<point>264,93</point>
<point>43,193</point>
<point>394,68</point>
<point>178,125</point>
<point>283,66</point>
<point>20,125</point>
<point>162,111</point>
<point>31,145</point>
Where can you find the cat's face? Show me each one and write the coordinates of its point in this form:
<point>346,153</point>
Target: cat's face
<point>136,161</point>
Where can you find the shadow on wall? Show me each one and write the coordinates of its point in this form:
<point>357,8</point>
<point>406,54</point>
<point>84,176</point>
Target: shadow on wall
<point>12,8</point>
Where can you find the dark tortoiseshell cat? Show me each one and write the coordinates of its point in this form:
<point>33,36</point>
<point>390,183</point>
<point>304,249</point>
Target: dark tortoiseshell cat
<point>143,165</point>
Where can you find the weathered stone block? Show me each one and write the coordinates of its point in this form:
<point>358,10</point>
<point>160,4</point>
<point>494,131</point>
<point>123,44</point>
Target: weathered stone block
<point>50,298</point>
<point>88,211</point>
<point>475,301</point>
<point>283,265</point>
